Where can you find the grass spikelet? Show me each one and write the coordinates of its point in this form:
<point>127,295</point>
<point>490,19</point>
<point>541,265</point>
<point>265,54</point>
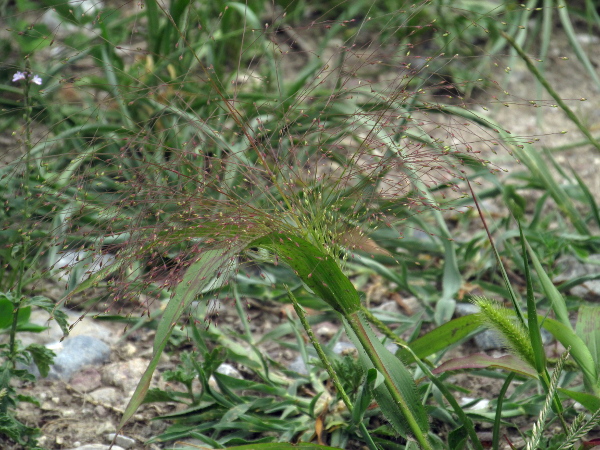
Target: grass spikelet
<point>538,427</point>
<point>513,334</point>
<point>579,428</point>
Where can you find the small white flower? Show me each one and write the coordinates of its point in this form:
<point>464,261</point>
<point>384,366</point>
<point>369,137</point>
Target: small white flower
<point>36,79</point>
<point>18,76</point>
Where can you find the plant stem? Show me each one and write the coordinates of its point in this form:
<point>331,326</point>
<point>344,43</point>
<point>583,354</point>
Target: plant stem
<point>12,347</point>
<point>356,322</point>
<point>382,327</point>
<point>329,368</point>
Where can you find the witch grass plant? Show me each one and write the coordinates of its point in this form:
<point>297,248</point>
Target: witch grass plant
<point>189,150</point>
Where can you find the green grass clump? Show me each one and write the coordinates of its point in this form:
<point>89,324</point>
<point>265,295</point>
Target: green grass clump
<point>293,153</point>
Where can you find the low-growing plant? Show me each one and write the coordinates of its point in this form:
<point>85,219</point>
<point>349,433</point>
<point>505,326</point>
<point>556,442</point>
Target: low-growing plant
<point>16,361</point>
<point>186,149</point>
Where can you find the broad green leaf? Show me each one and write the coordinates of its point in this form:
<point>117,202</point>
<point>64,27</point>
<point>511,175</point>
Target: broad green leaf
<point>7,307</point>
<point>532,321</point>
<point>588,329</point>
<point>42,357</point>
<point>556,299</point>
<point>443,336</point>
<point>591,402</point>
<point>318,270</point>
<point>579,351</point>
<point>48,305</point>
<point>482,361</point>
<point>457,439</point>
<point>451,283</point>
<point>364,395</point>
<point>393,369</point>
<point>6,312</point>
<point>535,337</point>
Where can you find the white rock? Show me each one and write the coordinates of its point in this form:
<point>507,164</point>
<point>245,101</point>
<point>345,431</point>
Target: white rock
<point>230,371</point>
<point>97,447</point>
<point>123,441</point>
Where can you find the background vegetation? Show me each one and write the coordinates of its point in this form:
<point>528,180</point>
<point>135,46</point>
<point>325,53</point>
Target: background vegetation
<point>293,153</point>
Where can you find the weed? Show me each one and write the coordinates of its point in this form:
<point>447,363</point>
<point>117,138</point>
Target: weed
<point>188,146</point>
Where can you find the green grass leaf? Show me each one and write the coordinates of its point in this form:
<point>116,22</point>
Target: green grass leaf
<point>196,278</point>
<point>443,336</point>
<point>579,351</point>
<point>588,329</point>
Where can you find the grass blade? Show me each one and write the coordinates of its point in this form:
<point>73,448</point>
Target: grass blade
<point>587,329</point>
<point>197,277</point>
<point>556,299</point>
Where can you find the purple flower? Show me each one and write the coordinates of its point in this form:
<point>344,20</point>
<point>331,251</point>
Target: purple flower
<point>18,76</point>
<point>36,79</point>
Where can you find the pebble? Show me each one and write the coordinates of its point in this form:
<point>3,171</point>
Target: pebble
<point>86,380</point>
<point>481,404</point>
<point>123,441</point>
<point>587,39</point>
<point>298,366</point>
<point>326,329</point>
<point>86,326</point>
<point>107,395</point>
<point>342,348</point>
<point>570,268</point>
<point>125,375</point>
<point>77,352</point>
<point>389,307</point>
<point>230,371</point>
<point>97,447</point>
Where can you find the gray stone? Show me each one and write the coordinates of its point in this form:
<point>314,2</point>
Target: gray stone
<point>570,268</point>
<point>230,371</point>
<point>489,340</point>
<point>464,309</point>
<point>97,447</point>
<point>123,441</point>
<point>125,375</point>
<point>106,395</point>
<point>86,380</point>
<point>587,39</point>
<point>390,306</point>
<point>341,347</point>
<point>77,352</point>
<point>86,326</point>
<point>297,365</point>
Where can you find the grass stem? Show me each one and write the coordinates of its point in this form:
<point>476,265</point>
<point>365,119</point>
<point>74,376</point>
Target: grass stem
<point>329,368</point>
